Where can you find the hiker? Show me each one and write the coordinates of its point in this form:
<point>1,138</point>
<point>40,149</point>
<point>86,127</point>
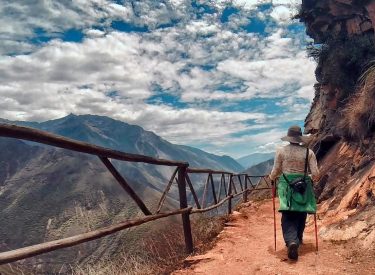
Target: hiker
<point>297,199</point>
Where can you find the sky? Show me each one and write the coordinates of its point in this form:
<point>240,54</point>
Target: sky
<point>228,77</point>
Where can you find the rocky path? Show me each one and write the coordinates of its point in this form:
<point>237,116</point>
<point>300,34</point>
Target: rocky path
<point>245,246</point>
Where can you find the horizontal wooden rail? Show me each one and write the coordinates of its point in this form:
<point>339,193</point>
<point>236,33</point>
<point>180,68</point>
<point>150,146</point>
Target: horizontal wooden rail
<point>207,171</point>
<point>29,251</point>
<point>26,133</point>
<point>194,211</point>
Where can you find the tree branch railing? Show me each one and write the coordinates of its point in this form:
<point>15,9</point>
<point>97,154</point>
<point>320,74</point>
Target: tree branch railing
<point>180,176</point>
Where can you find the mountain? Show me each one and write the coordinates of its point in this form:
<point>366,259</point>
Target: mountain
<point>263,168</point>
<point>110,133</point>
<point>254,159</point>
<point>118,135</point>
<point>48,193</point>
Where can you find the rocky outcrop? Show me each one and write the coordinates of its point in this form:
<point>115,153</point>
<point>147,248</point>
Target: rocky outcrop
<point>346,49</point>
<point>327,19</point>
<point>347,195</point>
<point>341,120</point>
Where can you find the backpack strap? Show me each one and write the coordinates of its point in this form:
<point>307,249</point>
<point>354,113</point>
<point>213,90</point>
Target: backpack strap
<point>286,179</point>
<point>306,163</point>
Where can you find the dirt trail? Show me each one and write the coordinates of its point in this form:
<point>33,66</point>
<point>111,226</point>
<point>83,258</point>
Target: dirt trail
<point>245,246</point>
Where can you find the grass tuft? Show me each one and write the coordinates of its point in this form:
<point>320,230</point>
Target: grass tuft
<point>160,252</point>
<point>359,114</point>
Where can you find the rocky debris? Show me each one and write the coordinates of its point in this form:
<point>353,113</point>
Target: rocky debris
<point>343,233</point>
<point>369,240</point>
<point>199,258</point>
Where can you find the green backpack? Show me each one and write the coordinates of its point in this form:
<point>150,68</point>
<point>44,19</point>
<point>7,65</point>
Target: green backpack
<point>296,192</point>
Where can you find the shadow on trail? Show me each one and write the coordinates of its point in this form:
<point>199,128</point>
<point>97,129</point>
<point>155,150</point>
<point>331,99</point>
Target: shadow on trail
<point>281,254</point>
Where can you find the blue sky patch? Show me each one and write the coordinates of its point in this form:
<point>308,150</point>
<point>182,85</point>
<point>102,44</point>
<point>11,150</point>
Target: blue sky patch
<point>72,35</point>
<point>264,105</point>
<point>127,27</point>
<point>165,97</point>
<point>296,28</point>
<point>207,67</point>
<point>256,25</point>
<point>227,13</point>
<point>40,36</point>
<point>249,132</point>
<point>112,94</point>
<point>202,9</point>
<point>265,7</point>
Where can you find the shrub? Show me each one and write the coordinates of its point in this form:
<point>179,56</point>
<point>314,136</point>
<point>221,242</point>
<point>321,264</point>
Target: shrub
<point>342,61</point>
<point>159,252</point>
<point>359,116</point>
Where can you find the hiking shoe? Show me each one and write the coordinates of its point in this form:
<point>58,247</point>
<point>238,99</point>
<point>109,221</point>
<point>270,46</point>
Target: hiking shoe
<point>293,251</point>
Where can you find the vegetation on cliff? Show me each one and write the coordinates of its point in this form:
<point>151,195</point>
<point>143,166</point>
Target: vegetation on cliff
<point>342,61</point>
<point>360,110</point>
<point>344,49</point>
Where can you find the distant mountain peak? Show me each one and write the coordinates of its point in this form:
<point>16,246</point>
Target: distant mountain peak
<point>254,159</point>
<point>111,133</point>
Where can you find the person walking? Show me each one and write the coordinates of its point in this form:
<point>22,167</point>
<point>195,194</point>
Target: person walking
<point>292,165</point>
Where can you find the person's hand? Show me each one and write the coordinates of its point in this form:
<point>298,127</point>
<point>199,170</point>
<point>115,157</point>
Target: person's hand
<point>268,179</point>
<point>316,179</point>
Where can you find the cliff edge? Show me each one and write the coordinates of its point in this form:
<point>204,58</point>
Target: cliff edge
<point>342,117</point>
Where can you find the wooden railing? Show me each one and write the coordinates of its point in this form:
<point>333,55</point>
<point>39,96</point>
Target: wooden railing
<point>226,188</point>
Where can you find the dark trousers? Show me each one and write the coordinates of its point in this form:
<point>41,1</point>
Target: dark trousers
<point>293,225</point>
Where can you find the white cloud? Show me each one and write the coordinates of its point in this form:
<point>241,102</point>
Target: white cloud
<point>293,3</point>
<point>94,33</point>
<point>306,92</point>
<point>269,147</point>
<point>247,4</point>
<point>115,73</point>
<point>281,14</point>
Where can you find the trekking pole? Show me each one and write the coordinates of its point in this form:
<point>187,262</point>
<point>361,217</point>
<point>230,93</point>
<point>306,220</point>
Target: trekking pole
<point>274,211</point>
<point>316,233</point>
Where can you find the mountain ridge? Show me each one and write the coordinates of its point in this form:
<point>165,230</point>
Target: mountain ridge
<point>106,132</point>
<point>253,159</point>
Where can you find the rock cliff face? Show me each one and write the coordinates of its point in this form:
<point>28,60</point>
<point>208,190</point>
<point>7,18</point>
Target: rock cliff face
<point>327,19</point>
<point>342,120</point>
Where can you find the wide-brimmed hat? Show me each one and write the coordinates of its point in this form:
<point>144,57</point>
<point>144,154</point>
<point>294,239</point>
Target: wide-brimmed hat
<point>295,135</point>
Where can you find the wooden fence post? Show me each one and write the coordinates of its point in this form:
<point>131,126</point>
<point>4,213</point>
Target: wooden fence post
<point>183,204</point>
<point>245,193</point>
<point>213,188</point>
<point>230,195</point>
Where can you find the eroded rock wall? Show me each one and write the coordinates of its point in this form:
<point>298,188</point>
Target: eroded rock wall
<point>340,119</point>
<point>326,19</point>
